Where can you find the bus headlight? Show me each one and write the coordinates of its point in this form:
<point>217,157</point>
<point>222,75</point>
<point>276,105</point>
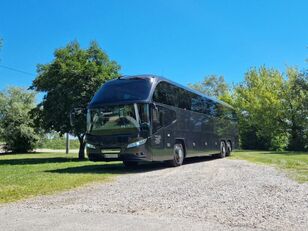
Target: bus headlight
<point>137,143</point>
<point>90,146</point>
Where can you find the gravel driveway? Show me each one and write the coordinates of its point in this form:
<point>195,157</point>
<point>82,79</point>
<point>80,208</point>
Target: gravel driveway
<point>204,194</point>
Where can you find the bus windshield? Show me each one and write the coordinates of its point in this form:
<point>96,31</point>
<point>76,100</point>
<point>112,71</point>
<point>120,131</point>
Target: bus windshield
<point>114,119</point>
<point>123,90</point>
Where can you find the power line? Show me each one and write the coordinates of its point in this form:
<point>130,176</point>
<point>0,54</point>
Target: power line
<point>16,70</point>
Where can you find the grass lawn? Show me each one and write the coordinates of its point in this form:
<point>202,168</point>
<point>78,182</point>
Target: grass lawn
<point>294,163</point>
<point>27,175</point>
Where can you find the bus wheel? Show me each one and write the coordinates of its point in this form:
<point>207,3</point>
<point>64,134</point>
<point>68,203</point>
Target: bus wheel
<point>229,149</point>
<point>223,150</point>
<point>130,164</point>
<point>178,155</point>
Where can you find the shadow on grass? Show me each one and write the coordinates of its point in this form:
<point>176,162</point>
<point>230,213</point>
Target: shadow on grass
<point>30,161</point>
<point>119,168</point>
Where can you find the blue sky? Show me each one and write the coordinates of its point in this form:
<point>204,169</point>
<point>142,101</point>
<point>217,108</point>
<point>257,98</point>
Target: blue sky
<point>181,40</point>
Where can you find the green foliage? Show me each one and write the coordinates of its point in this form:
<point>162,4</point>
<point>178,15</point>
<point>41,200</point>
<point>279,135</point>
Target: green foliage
<point>212,85</point>
<point>296,109</point>
<point>57,143</point>
<point>16,127</point>
<point>258,101</point>
<point>70,81</point>
<point>272,108</point>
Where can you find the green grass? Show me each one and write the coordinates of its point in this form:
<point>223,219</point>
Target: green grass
<point>294,163</point>
<point>26,175</point>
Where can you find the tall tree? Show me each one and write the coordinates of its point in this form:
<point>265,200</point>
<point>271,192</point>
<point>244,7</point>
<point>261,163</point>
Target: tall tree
<point>70,81</point>
<point>259,102</point>
<point>16,126</point>
<point>212,85</point>
<point>296,108</point>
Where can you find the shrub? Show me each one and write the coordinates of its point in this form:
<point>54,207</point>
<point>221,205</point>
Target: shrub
<point>16,126</point>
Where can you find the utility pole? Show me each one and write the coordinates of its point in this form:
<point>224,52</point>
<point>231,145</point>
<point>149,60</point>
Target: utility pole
<point>67,144</point>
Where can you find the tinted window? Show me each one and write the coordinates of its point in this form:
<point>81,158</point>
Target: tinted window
<point>123,90</point>
<point>165,93</point>
<point>197,104</point>
<point>210,107</point>
<point>184,99</point>
<point>162,117</point>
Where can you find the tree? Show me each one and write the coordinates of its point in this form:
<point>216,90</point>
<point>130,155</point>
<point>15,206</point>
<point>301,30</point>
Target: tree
<point>259,103</point>
<point>16,127</point>
<point>68,82</point>
<point>212,85</point>
<point>296,108</point>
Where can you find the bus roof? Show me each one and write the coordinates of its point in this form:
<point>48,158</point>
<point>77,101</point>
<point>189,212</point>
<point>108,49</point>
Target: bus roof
<point>157,79</point>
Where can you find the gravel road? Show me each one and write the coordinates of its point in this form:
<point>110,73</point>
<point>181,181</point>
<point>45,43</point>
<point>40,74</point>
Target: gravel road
<point>204,194</point>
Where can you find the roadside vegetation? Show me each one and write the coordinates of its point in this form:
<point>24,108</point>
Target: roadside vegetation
<point>294,163</point>
<point>271,107</point>
<point>27,175</point>
<point>57,143</point>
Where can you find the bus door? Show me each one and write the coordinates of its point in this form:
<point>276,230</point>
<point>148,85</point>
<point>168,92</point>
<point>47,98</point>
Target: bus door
<point>163,125</point>
<point>158,133</point>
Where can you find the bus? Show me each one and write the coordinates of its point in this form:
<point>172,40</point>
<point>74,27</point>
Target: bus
<point>150,118</point>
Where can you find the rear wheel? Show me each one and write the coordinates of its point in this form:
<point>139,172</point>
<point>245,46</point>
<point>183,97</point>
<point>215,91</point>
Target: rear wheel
<point>223,150</point>
<point>178,155</point>
<point>130,164</point>
<point>229,148</point>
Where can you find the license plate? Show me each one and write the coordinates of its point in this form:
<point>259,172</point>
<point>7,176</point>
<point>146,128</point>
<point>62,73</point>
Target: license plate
<point>111,155</point>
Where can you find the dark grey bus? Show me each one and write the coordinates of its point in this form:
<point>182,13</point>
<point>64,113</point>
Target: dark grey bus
<point>149,118</point>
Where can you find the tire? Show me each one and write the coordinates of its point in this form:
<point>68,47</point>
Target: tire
<point>223,150</point>
<point>178,155</point>
<point>229,149</point>
<point>130,164</point>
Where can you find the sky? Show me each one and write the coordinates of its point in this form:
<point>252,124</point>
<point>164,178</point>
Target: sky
<point>181,40</point>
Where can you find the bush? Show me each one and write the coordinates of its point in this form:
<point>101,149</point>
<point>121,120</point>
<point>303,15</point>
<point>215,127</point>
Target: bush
<point>16,126</point>
<point>57,143</point>
<point>279,142</point>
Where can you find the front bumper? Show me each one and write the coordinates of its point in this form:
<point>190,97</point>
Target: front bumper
<point>100,153</point>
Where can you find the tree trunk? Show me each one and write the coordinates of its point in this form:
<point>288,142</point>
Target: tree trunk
<point>82,143</point>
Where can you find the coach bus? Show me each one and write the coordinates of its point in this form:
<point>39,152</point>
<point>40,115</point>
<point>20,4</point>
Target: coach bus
<point>149,118</point>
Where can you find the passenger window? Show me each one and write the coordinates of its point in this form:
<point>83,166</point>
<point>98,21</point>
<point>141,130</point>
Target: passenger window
<point>184,99</point>
<point>165,93</point>
<point>162,117</point>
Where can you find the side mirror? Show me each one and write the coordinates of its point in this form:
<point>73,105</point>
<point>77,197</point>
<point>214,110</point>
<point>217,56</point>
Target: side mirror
<point>154,107</point>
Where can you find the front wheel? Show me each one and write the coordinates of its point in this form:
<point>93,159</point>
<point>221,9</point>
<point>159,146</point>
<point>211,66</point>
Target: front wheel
<point>178,155</point>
